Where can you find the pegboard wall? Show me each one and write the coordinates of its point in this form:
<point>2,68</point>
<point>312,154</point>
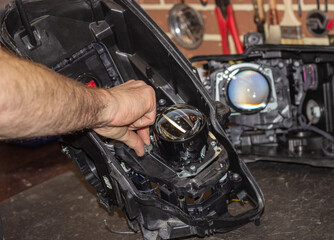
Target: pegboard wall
<point>244,14</point>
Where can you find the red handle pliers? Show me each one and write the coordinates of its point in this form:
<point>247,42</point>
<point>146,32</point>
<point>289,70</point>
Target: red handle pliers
<point>226,21</point>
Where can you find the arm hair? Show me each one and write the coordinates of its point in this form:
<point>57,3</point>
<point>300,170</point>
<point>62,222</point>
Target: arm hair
<point>36,101</point>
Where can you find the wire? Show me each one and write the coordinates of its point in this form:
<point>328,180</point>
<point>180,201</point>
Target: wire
<point>324,148</point>
<point>201,198</point>
<point>307,126</point>
<point>25,22</point>
<point>117,232</point>
<point>304,125</point>
<point>238,200</point>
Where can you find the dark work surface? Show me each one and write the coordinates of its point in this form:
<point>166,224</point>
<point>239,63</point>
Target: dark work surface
<point>299,205</point>
<point>24,167</point>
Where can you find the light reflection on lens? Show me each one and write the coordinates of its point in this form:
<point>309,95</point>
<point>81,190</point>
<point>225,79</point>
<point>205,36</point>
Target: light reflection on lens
<point>248,90</point>
<point>179,122</point>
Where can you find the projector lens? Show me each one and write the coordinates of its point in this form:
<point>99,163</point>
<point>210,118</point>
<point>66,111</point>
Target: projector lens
<point>179,123</point>
<point>248,90</point>
<point>181,133</point>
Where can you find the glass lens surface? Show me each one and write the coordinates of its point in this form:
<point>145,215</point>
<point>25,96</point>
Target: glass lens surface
<point>179,122</point>
<point>248,90</point>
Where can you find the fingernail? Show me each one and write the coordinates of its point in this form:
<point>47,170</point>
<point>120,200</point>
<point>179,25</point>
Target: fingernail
<point>140,153</point>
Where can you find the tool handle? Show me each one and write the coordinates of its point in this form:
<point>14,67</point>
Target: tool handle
<point>299,8</point>
<point>289,18</point>
<point>232,26</point>
<point>330,24</point>
<point>223,31</point>
<point>261,10</point>
<point>273,14</point>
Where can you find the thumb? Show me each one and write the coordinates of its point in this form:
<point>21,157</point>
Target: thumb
<point>131,139</point>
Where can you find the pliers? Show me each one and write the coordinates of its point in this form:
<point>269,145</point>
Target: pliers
<point>226,21</point>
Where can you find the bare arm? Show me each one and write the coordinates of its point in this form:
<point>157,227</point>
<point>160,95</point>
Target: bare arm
<point>35,101</point>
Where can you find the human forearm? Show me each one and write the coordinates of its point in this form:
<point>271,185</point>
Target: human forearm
<point>36,101</point>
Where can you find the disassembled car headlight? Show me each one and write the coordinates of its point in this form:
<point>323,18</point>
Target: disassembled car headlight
<point>281,99</point>
<point>190,181</point>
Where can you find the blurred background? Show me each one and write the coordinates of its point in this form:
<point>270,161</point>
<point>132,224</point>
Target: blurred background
<point>244,16</point>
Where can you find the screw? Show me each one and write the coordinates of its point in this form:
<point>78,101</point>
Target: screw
<point>192,168</point>
<point>162,102</point>
<point>64,149</point>
<point>222,164</point>
<point>236,177</point>
<point>152,138</point>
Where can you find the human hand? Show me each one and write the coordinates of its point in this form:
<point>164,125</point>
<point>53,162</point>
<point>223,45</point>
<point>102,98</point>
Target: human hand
<point>132,108</point>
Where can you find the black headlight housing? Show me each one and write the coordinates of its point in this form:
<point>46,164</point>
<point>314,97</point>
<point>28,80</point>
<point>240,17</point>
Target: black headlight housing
<point>169,194</point>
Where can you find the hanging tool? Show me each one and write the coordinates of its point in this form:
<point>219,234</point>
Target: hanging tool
<point>299,8</point>
<point>274,29</point>
<point>317,23</point>
<point>291,28</point>
<point>330,24</point>
<point>326,5</point>
<point>226,22</point>
<point>272,13</point>
<point>259,16</point>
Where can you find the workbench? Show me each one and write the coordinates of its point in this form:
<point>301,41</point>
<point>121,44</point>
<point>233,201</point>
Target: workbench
<point>299,205</point>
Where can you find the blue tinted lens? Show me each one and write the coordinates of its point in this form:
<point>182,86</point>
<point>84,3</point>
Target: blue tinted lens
<point>248,90</point>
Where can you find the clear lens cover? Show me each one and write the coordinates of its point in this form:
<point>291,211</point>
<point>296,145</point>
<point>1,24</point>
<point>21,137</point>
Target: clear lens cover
<point>248,90</point>
<point>179,122</point>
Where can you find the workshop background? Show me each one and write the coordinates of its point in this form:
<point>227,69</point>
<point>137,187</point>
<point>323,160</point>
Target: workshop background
<point>244,15</point>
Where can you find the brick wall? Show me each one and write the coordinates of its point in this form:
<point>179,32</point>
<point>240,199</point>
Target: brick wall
<point>243,9</point>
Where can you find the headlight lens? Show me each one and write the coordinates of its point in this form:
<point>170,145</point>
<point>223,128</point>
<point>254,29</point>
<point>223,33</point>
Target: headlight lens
<point>179,123</point>
<point>248,90</point>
